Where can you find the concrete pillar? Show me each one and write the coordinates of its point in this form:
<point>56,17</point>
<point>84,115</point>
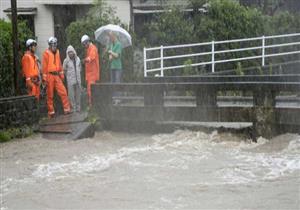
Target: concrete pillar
<point>206,101</point>
<point>153,95</point>
<point>263,113</point>
<point>206,96</point>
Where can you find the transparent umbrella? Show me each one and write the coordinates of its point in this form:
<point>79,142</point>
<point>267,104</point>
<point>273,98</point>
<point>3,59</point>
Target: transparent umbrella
<point>101,35</point>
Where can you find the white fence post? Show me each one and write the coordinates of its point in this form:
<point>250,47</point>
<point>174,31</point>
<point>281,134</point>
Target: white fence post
<point>213,56</point>
<point>161,61</point>
<point>263,51</point>
<point>145,62</point>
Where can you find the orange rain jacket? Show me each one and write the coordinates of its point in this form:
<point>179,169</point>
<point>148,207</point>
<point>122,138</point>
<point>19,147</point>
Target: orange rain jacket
<point>92,68</point>
<point>51,62</point>
<point>31,74</point>
<point>53,74</point>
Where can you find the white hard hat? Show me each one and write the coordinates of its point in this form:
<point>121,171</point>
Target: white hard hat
<point>85,38</point>
<point>30,42</point>
<point>52,40</point>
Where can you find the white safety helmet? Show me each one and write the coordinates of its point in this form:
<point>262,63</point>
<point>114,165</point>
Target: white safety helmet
<point>30,42</point>
<point>52,40</point>
<point>84,38</point>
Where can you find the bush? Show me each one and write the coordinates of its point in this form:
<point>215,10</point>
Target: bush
<point>6,56</point>
<point>12,133</point>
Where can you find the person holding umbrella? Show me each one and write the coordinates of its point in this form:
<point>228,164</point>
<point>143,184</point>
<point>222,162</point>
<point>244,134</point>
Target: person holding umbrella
<point>116,38</point>
<point>92,67</point>
<point>114,53</point>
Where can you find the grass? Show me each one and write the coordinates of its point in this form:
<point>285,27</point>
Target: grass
<point>12,133</point>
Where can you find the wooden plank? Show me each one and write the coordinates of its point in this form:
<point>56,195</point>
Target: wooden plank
<point>64,129</point>
<point>65,119</point>
<point>72,131</point>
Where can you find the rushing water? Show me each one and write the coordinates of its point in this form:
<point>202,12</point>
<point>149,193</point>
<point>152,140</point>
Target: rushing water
<point>181,170</point>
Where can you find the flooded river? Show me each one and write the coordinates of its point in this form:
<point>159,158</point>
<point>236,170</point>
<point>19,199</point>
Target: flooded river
<point>180,170</point>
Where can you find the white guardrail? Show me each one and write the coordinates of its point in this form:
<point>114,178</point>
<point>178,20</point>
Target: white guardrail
<point>213,44</point>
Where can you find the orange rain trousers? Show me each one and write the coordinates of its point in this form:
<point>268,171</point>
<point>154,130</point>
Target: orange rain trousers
<point>54,82</point>
<point>92,68</point>
<point>89,91</point>
<point>33,89</point>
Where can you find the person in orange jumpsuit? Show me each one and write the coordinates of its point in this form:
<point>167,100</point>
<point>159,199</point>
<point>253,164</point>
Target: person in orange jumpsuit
<point>53,76</point>
<point>92,67</point>
<point>31,69</point>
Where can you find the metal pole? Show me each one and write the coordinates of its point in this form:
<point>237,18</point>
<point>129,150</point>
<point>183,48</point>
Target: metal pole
<point>131,23</point>
<point>15,42</point>
<point>145,63</point>
<point>213,56</point>
<point>263,51</point>
<point>161,60</point>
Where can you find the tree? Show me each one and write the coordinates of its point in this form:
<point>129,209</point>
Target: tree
<point>6,56</point>
<point>268,7</point>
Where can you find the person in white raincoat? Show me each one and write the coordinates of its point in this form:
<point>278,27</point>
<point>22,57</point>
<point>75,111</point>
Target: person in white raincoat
<point>72,68</point>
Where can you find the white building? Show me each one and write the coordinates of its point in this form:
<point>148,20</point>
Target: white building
<point>45,16</point>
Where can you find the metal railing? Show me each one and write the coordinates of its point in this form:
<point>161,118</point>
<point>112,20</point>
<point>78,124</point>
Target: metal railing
<point>262,54</point>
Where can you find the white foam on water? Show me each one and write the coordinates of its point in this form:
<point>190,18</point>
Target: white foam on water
<point>245,166</point>
<point>254,167</point>
<point>85,165</point>
<point>194,141</point>
<point>236,175</point>
<point>79,167</point>
<point>183,149</point>
<point>293,147</point>
<point>249,144</point>
<point>91,163</point>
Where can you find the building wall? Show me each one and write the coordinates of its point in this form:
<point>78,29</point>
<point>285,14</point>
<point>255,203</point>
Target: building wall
<point>152,3</point>
<point>44,27</point>
<point>122,8</point>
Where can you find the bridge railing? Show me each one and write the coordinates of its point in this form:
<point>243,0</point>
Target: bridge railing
<point>259,47</point>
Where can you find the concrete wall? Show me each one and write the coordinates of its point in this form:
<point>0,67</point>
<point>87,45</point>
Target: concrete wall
<point>18,111</point>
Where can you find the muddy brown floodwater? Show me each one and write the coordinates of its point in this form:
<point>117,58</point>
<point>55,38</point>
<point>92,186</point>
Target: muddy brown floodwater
<point>180,170</point>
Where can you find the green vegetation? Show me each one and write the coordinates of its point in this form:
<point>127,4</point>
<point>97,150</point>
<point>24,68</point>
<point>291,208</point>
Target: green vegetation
<point>12,133</point>
<point>6,55</point>
<point>224,20</point>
